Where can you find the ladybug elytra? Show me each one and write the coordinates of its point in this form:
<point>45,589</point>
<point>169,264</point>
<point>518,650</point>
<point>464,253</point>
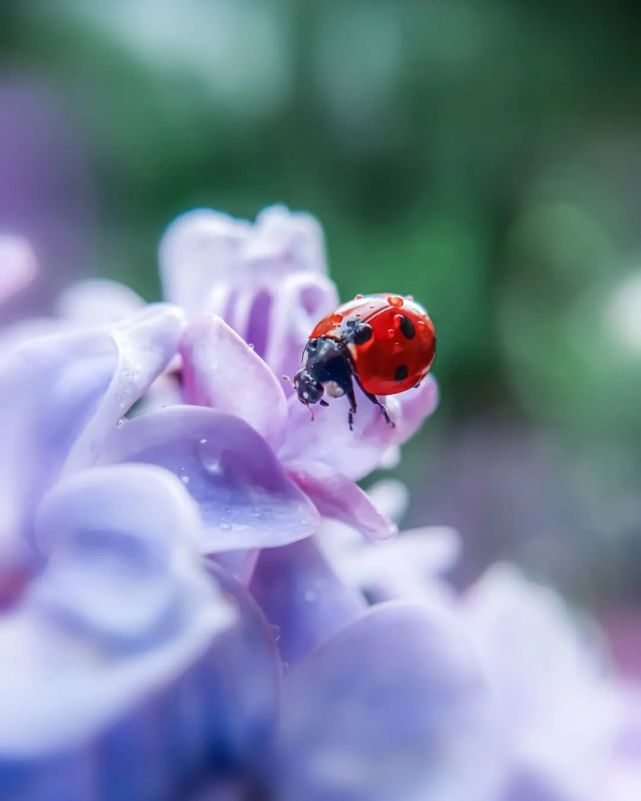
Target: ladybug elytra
<point>384,342</point>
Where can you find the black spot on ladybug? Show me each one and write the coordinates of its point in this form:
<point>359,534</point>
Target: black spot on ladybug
<point>401,372</point>
<point>407,327</point>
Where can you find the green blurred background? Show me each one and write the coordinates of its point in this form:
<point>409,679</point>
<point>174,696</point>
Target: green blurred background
<point>482,156</point>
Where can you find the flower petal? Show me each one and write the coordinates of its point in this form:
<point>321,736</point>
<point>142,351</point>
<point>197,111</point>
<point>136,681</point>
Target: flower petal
<point>408,568</point>
<point>220,370</point>
<point>301,596</point>
<point>561,723</point>
<point>416,406</point>
<point>144,344</point>
<point>245,498</point>
<point>244,676</point>
<point>267,281</point>
<point>328,439</point>
<point>340,498</point>
<point>199,252</point>
<point>113,560</point>
<point>393,707</point>
<point>98,301</point>
<point>391,497</point>
<point>118,539</point>
<point>18,265</point>
<point>195,696</point>
<point>299,301</point>
<point>287,241</point>
<point>61,395</point>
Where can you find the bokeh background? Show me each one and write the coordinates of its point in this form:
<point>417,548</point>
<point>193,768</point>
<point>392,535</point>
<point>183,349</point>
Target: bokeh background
<point>482,156</point>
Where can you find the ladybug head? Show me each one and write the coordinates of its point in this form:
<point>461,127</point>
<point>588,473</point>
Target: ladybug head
<point>308,388</point>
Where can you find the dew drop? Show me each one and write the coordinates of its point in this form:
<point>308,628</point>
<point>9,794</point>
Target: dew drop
<point>275,631</point>
<point>251,345</point>
<point>212,465</point>
<point>420,323</point>
<point>203,441</point>
<point>335,319</point>
<point>395,300</point>
<point>358,297</point>
<point>391,333</point>
<point>398,320</point>
<point>185,480</point>
<point>224,525</point>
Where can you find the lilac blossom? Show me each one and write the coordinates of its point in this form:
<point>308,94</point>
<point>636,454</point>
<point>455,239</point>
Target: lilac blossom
<point>251,294</point>
<point>135,671</point>
<point>299,659</point>
<point>570,724</point>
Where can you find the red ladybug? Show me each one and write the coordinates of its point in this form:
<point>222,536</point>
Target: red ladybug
<point>383,342</point>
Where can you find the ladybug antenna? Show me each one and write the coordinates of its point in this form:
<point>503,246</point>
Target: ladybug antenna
<point>288,379</point>
<point>311,412</point>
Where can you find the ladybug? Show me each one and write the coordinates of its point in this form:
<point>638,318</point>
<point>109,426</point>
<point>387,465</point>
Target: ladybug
<point>384,342</point>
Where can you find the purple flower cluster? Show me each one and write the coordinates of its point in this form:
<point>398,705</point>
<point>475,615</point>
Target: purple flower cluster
<point>193,606</point>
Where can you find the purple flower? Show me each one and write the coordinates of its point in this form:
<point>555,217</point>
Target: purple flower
<point>569,725</point>
<point>269,282</point>
<point>561,702</point>
<point>131,670</point>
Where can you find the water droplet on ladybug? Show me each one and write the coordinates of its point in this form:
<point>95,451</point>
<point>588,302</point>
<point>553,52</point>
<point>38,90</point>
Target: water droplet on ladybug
<point>391,333</point>
<point>395,300</point>
<point>358,297</point>
<point>421,323</point>
<point>335,319</point>
<point>410,297</point>
<point>398,321</point>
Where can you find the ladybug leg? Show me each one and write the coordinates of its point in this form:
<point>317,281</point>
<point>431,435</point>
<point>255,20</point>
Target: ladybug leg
<point>381,406</point>
<point>351,397</point>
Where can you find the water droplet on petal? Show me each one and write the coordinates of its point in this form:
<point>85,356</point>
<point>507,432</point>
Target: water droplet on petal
<point>203,441</point>
<point>211,464</point>
<point>251,345</point>
<point>224,525</point>
<point>185,480</point>
<point>275,631</point>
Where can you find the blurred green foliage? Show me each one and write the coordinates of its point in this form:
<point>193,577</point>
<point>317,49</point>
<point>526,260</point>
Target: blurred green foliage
<point>483,156</point>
